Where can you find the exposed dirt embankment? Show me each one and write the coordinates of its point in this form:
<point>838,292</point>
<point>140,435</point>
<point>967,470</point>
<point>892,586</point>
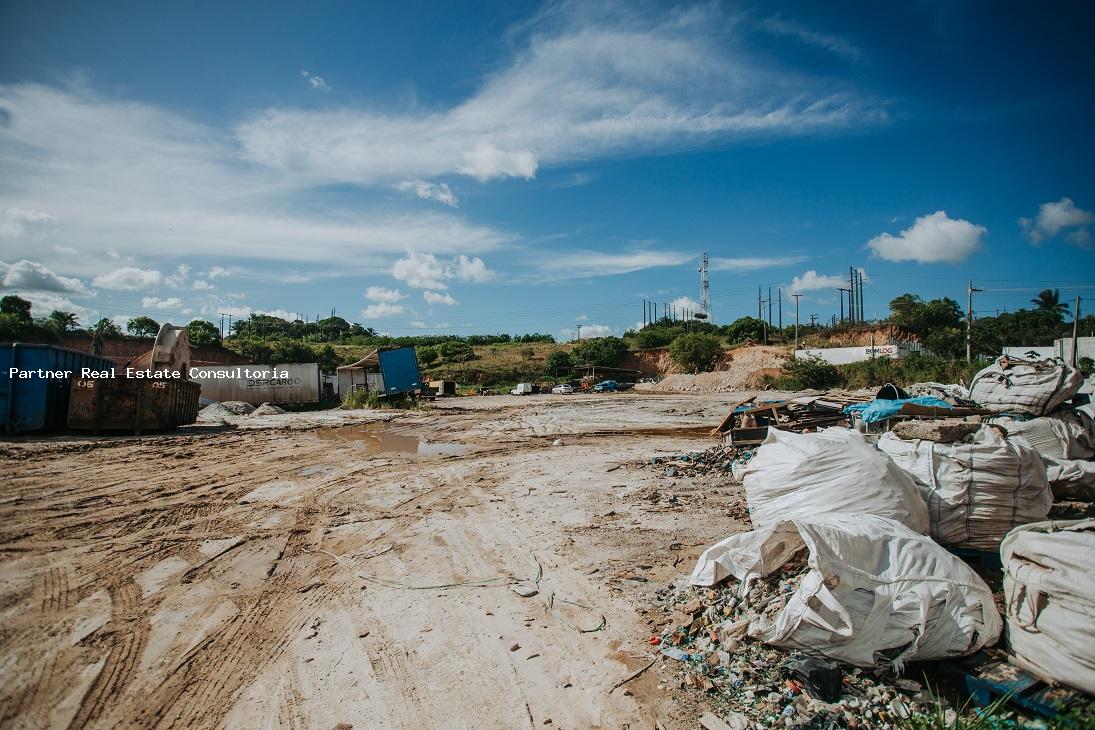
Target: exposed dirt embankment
<point>740,368</point>
<point>860,337</point>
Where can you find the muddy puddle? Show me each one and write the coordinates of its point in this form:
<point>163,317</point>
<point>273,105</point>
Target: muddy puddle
<point>377,438</point>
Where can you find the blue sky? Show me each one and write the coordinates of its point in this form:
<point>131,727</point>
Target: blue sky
<point>498,167</point>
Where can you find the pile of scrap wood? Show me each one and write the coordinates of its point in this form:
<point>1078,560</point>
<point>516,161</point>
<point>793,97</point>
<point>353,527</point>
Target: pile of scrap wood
<point>747,422</point>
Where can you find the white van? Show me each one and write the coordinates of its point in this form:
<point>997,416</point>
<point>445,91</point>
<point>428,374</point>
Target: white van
<point>522,389</point>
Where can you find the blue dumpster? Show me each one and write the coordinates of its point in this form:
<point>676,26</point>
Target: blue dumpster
<point>36,403</point>
<point>400,369</point>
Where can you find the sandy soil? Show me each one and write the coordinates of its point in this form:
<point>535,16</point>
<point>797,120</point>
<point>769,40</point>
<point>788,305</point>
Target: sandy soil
<point>284,573</point>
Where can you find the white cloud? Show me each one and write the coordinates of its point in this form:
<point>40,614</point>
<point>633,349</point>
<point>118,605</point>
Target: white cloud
<point>586,82</point>
<point>471,269</point>
<point>582,318</point>
<point>1052,218</point>
<point>382,294</point>
<point>19,222</point>
<point>316,82</point>
<point>128,278</point>
<point>430,191</point>
<point>216,272</point>
<point>682,304</point>
<point>753,263</point>
<point>279,313</point>
<point>382,309</point>
<point>812,281</point>
<point>575,264</point>
<point>596,330</point>
<point>931,239</point>
<point>421,325</point>
<point>433,297</point>
<point>76,153</point>
<point>421,271</point>
<point>426,271</point>
<point>44,302</point>
<point>179,278</point>
<point>826,41</point>
<point>202,285</point>
<point>157,303</point>
<point>32,275</point>
<point>121,320</point>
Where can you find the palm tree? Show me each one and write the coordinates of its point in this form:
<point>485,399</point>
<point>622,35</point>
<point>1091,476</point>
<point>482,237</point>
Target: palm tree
<point>1050,301</point>
<point>63,321</point>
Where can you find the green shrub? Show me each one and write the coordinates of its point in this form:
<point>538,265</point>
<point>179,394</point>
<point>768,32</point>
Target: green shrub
<point>696,353</point>
<point>1086,365</point>
<point>654,336</point>
<point>800,373</point>
<point>605,351</point>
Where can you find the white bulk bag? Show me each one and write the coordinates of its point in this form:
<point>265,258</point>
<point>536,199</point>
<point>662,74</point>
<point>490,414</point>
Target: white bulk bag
<point>978,489</point>
<point>1049,592</point>
<point>877,592</point>
<point>1034,387</point>
<point>1065,439</point>
<point>796,475</point>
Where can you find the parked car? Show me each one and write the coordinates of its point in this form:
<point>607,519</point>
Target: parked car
<point>522,389</point>
<point>606,386</point>
<point>563,389</point>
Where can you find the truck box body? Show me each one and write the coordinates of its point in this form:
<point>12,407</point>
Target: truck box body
<point>400,369</point>
<point>301,384</point>
<point>33,404</point>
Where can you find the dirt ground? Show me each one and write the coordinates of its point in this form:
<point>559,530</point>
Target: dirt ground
<point>321,571</point>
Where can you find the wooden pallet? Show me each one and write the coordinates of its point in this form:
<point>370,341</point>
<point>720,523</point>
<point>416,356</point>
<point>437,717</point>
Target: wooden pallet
<point>998,678</point>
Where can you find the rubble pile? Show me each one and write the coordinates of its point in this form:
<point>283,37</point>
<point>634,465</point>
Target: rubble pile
<point>715,460</point>
<point>707,634</point>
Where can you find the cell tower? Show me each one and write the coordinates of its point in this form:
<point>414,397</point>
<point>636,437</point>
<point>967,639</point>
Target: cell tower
<point>705,290</point>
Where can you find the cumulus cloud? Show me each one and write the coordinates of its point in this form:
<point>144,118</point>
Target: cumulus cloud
<point>430,191</point>
<point>434,297</point>
<point>44,302</point>
<point>381,310</point>
<point>157,303</point>
<point>596,330</point>
<point>426,271</point>
<point>753,263</point>
<point>128,278</point>
<point>21,222</point>
<point>1053,218</point>
<point>180,278</point>
<point>314,81</point>
<point>33,275</point>
<point>812,281</point>
<point>382,294</point>
<point>934,238</point>
<point>202,285</point>
<point>683,304</point>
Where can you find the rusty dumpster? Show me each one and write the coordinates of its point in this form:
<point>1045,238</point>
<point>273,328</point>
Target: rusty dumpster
<point>132,404</point>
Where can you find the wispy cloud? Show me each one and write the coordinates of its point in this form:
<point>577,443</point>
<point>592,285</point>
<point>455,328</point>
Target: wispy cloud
<point>157,303</point>
<point>804,34</point>
<point>579,264</point>
<point>584,84</point>
<point>753,263</point>
<point>382,294</point>
<point>315,81</point>
<point>812,281</point>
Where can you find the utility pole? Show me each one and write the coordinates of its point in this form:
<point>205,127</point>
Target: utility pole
<point>223,315</point>
<point>796,296</point>
<point>969,321</point>
<point>779,298</point>
<point>851,294</point>
<point>769,307</point>
<point>229,326</point>
<point>760,314</point>
<point>813,320</point>
<point>1075,331</point>
<point>840,293</point>
<point>859,296</point>
<point>705,289</point>
<point>579,331</point>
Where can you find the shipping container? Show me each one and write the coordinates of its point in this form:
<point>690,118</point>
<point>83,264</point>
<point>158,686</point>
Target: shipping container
<point>132,404</point>
<point>36,403</point>
<point>258,384</point>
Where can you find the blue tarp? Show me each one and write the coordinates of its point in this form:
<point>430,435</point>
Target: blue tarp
<point>880,410</point>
